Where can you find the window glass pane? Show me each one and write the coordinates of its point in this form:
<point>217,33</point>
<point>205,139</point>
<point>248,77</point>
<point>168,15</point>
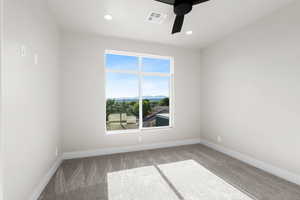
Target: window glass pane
<point>156,65</point>
<point>121,62</point>
<point>155,101</point>
<point>122,104</point>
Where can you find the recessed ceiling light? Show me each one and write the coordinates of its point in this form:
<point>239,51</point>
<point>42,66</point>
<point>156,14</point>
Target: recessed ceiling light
<point>189,32</point>
<point>108,17</point>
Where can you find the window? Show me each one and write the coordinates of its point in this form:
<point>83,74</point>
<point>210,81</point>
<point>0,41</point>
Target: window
<point>138,91</point>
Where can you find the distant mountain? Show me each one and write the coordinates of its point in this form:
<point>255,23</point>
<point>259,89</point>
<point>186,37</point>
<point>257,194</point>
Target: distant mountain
<point>151,98</point>
<point>154,97</point>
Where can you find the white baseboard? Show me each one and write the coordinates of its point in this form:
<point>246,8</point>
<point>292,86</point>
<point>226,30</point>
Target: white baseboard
<point>108,151</point>
<point>282,173</point>
<point>39,189</point>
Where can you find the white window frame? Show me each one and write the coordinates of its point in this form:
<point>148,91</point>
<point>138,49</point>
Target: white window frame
<point>140,74</point>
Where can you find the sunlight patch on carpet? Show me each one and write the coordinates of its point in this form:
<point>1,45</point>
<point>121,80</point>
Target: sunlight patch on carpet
<point>195,182</point>
<point>140,183</point>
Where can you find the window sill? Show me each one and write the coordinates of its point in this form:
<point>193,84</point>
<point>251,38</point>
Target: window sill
<point>139,131</point>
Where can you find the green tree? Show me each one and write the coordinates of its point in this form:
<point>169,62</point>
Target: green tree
<point>132,103</point>
<point>146,108</point>
<point>164,102</point>
<point>122,107</point>
<point>110,107</point>
<point>135,109</point>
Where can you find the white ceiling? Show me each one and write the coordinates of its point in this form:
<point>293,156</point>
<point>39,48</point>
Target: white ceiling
<point>209,21</point>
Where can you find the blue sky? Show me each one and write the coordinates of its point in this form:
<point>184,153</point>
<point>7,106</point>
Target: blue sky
<point>156,65</point>
<point>119,85</point>
<point>122,62</point>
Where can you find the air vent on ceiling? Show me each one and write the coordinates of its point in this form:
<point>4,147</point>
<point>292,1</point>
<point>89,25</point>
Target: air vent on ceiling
<point>156,18</point>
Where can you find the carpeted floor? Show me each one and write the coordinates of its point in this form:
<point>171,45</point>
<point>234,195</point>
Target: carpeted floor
<point>189,172</point>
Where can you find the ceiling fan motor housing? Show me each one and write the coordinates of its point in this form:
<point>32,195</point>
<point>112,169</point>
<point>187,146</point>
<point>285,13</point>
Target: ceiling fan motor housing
<point>182,7</point>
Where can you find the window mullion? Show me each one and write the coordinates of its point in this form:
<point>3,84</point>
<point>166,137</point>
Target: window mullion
<point>140,95</point>
<point>156,74</point>
<point>122,71</point>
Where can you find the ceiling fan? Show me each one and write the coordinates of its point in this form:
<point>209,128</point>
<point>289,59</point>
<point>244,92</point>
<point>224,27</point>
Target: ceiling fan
<point>181,8</point>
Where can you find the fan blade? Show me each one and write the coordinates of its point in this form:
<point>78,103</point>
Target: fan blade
<point>178,24</point>
<point>170,2</point>
<point>199,1</point>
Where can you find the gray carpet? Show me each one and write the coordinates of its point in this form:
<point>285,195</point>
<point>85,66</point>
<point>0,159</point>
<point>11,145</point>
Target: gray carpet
<point>189,172</point>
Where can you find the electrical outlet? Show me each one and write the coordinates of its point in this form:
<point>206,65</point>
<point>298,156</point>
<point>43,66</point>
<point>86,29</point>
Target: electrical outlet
<point>219,138</point>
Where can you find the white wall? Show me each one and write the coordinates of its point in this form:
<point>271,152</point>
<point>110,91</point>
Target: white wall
<point>1,134</point>
<point>250,89</point>
<point>84,101</point>
<point>30,96</point>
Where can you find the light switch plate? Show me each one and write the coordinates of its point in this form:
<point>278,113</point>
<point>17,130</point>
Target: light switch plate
<point>56,151</point>
<point>23,51</point>
<point>36,58</point>
<point>219,138</point>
